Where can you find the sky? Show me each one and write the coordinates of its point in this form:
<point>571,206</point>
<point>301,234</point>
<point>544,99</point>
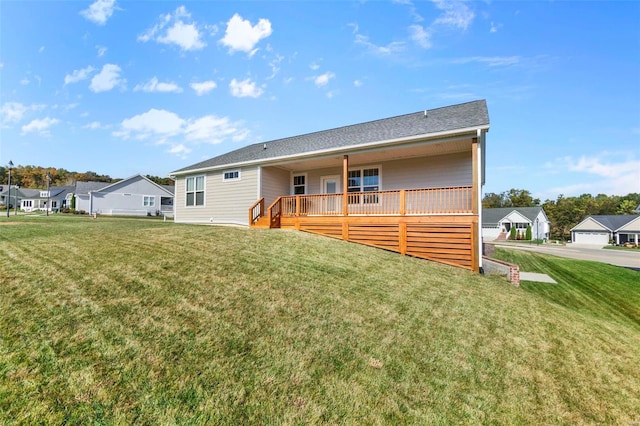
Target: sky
<point>125,87</point>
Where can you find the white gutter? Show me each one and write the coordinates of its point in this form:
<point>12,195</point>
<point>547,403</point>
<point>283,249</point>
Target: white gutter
<point>340,150</point>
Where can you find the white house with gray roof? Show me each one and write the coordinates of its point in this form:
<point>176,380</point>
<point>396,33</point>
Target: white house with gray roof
<point>371,182</point>
<point>497,222</point>
<point>602,229</point>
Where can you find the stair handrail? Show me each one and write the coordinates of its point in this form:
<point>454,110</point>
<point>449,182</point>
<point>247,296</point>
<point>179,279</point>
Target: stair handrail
<point>275,212</point>
<point>256,211</point>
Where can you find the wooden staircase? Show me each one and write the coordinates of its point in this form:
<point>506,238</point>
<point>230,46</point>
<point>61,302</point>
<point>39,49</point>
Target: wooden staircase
<point>261,223</point>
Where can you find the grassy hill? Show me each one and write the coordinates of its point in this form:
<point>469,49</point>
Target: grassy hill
<point>139,321</point>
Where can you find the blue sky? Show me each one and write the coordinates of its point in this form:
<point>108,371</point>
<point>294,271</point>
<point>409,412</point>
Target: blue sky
<point>123,87</point>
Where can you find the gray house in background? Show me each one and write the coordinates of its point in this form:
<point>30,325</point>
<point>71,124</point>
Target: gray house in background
<point>497,222</point>
<point>134,196</point>
<point>602,229</point>
<point>83,203</point>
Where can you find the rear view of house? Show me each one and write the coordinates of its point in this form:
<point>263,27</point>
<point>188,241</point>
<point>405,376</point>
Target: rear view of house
<point>409,183</point>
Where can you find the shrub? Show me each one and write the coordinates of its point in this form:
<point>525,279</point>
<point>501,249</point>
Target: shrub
<point>512,233</point>
<point>528,233</point>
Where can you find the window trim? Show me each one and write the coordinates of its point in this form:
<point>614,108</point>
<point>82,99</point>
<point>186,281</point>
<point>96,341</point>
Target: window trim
<point>204,191</point>
<point>150,198</point>
<point>361,169</point>
<point>231,179</point>
<point>293,186</point>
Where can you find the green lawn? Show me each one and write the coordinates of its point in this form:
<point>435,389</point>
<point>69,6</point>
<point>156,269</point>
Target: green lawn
<point>115,321</point>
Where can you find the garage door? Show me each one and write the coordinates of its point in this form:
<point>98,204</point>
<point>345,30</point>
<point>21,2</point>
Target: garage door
<point>599,238</point>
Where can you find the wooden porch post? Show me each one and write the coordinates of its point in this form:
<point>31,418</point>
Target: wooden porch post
<point>475,196</point>
<point>345,197</point>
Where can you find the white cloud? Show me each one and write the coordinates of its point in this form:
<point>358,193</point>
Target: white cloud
<point>154,86</point>
<point>101,51</point>
<point>492,61</point>
<point>323,79</point>
<point>180,150</point>
<point>456,14</point>
<point>94,125</point>
<point>495,27</point>
<point>242,36</point>
<point>25,81</point>
<point>41,49</point>
<point>157,123</point>
<point>167,128</point>
<point>608,173</point>
<point>203,87</point>
<point>99,11</point>
<point>358,83</point>
<point>211,129</point>
<point>314,66</point>
<point>12,112</point>
<point>245,88</point>
<point>393,47</point>
<point>107,79</point>
<point>420,36</point>
<point>40,126</point>
<point>185,35</point>
<point>78,75</point>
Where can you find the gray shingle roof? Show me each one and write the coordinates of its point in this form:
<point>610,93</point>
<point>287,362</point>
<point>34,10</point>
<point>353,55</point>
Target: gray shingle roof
<point>493,216</point>
<point>613,222</point>
<point>467,115</point>
<point>83,188</point>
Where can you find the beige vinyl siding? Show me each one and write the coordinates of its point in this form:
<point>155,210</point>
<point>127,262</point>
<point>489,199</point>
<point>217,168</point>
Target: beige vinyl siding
<point>590,225</point>
<point>410,173</point>
<point>427,172</point>
<point>224,202</point>
<point>633,226</point>
<point>275,183</point>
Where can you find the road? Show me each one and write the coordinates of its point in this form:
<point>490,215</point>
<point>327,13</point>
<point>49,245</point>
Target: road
<point>628,259</point>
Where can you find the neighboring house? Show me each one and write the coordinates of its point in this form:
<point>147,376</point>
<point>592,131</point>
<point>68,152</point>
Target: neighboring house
<point>38,199</point>
<point>410,184</point>
<point>601,230</point>
<point>497,223</point>
<point>134,196</point>
<point>83,203</point>
<point>16,195</point>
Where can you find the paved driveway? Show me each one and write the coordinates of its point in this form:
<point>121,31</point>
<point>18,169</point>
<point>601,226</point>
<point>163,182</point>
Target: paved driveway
<point>628,259</point>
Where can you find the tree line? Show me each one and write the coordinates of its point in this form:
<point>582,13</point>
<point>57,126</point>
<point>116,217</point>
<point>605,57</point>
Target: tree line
<point>565,212</point>
<point>36,177</point>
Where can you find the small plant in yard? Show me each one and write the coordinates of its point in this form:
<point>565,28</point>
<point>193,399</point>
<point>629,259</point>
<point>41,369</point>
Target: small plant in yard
<point>512,233</point>
<point>528,235</point>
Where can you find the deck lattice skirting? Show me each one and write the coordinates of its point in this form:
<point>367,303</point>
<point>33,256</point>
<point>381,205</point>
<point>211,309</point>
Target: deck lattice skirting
<point>433,224</point>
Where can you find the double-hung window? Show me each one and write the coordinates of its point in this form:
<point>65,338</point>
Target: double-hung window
<point>364,180</point>
<point>299,184</point>
<point>195,191</point>
<point>149,201</point>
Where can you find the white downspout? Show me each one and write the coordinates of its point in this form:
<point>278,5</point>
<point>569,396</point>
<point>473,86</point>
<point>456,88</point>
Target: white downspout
<point>480,136</point>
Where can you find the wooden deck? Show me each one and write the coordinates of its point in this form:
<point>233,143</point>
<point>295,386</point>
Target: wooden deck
<point>435,224</point>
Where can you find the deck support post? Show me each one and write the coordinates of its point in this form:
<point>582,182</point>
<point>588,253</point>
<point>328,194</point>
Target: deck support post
<point>345,197</point>
<point>475,200</point>
<point>345,185</point>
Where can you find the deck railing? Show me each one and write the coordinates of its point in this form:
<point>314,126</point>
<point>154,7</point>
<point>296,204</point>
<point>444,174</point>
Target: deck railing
<point>432,201</point>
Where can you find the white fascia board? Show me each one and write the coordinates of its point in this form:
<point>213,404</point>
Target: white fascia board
<point>470,131</point>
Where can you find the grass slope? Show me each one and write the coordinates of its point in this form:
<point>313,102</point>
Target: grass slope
<point>133,321</point>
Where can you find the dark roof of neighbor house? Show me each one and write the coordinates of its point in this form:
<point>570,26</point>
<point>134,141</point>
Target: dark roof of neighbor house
<point>170,188</point>
<point>611,222</point>
<point>493,216</point>
<point>83,188</point>
<point>463,116</point>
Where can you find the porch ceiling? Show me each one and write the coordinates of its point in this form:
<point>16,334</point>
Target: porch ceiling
<point>373,156</point>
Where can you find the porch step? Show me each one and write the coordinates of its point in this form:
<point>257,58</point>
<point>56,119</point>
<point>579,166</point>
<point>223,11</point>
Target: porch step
<point>262,223</point>
<point>502,236</point>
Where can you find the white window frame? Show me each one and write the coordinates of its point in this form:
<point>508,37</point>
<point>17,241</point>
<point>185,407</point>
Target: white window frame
<point>361,169</point>
<point>232,172</point>
<point>148,201</point>
<point>195,191</point>
<point>293,185</point>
